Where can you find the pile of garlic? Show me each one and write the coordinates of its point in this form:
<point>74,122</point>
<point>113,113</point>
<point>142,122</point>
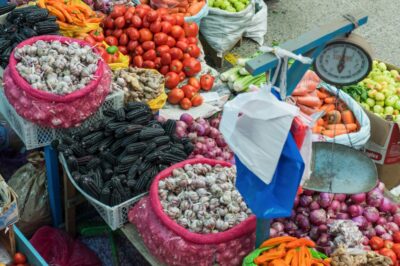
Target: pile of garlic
<point>56,67</point>
<point>203,198</point>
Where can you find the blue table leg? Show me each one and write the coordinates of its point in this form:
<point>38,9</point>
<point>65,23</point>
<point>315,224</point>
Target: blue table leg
<point>262,231</point>
<point>53,184</point>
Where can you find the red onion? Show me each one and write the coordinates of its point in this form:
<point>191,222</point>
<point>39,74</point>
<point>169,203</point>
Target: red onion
<point>387,236</point>
<point>314,233</point>
<point>201,121</point>
<point>215,122</point>
<point>340,197</point>
<point>305,200</point>
<point>386,205</point>
<point>181,124</point>
<point>381,186</point>
<point>380,230</point>
<point>192,136</point>
<point>210,143</point>
<point>355,210</point>
<point>361,222</point>
<point>278,226</point>
<point>323,240</point>
<point>290,226</point>
<point>296,201</point>
<point>201,139</point>
<point>303,222</point>
<point>219,158</point>
<point>226,155</point>
<point>394,209</point>
<point>322,228</point>
<point>308,192</point>
<point>342,216</point>
<point>318,217</point>
<point>370,232</point>
<point>391,227</point>
<point>396,218</point>
<point>343,207</point>
<point>325,199</point>
<point>180,132</point>
<point>220,141</point>
<point>199,156</point>
<point>371,214</point>
<point>160,119</point>
<point>358,198</point>
<point>330,213</point>
<point>374,197</point>
<point>303,210</point>
<point>365,241</point>
<point>273,232</point>
<point>314,205</point>
<point>214,133</point>
<point>335,206</point>
<point>187,118</point>
<point>293,214</point>
<point>200,129</point>
<point>381,220</point>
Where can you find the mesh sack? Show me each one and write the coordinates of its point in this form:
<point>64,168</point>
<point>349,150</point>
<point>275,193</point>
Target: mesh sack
<point>173,244</point>
<point>52,110</point>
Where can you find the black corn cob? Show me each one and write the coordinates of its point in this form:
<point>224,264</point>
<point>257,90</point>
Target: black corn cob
<point>93,163</point>
<point>120,114</point>
<point>105,195</point>
<point>150,133</point>
<point>90,187</point>
<point>129,139</point>
<point>170,126</point>
<point>150,147</point>
<point>136,148</point>
<point>109,157</point>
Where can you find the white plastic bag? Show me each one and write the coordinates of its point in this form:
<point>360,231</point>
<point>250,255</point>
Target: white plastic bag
<point>257,28</point>
<point>255,125</point>
<point>306,148</point>
<point>357,139</point>
<point>223,29</point>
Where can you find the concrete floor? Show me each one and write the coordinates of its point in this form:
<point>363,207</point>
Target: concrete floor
<point>288,19</point>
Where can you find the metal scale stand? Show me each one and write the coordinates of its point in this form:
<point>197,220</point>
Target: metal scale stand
<point>340,59</point>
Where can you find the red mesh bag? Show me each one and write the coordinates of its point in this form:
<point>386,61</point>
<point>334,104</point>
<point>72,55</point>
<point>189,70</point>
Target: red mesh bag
<point>52,110</point>
<point>173,244</point>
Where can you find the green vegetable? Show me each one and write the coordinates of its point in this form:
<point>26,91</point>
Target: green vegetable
<point>112,49</point>
<point>242,84</point>
<point>225,76</point>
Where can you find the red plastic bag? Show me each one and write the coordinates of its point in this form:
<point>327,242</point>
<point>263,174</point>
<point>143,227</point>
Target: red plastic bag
<point>58,248</point>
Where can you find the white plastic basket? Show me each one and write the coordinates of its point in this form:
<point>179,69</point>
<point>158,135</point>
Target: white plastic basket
<point>115,216</point>
<point>34,136</point>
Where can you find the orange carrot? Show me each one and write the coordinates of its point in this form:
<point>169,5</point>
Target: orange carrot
<point>330,99</point>
<point>300,242</point>
<point>278,262</point>
<point>318,129</point>
<point>268,256</point>
<point>348,117</point>
<point>295,260</point>
<point>289,256</point>
<point>332,133</point>
<point>300,91</point>
<point>310,101</point>
<point>322,95</point>
<point>327,107</point>
<point>307,110</point>
<point>195,7</point>
<point>348,127</point>
<point>320,122</point>
<point>277,240</point>
<point>334,117</point>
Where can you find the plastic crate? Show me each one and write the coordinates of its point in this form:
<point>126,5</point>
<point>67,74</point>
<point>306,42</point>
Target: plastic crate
<point>34,136</point>
<point>115,216</point>
<point>24,246</point>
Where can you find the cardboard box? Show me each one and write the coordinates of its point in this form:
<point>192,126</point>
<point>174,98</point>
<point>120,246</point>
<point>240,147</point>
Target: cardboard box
<point>389,174</point>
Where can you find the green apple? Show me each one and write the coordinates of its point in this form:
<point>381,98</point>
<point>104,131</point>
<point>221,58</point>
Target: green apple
<point>380,103</point>
<point>231,9</point>
<point>377,109</point>
<point>370,102</point>
<point>394,73</point>
<point>366,106</point>
<point>371,93</point>
<point>382,66</point>
<point>397,105</point>
<point>391,100</point>
<point>397,119</point>
<point>389,110</point>
<point>379,96</point>
<point>388,92</point>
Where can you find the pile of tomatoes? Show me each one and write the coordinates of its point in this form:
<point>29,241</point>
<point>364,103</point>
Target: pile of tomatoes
<point>387,248</point>
<point>154,39</point>
<point>187,95</point>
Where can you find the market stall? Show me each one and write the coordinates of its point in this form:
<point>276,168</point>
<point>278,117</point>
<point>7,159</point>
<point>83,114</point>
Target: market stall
<point>253,166</point>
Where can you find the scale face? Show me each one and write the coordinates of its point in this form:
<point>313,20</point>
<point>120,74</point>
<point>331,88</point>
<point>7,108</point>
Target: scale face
<point>345,61</point>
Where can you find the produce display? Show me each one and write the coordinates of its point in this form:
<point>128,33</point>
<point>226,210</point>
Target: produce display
<point>186,8</point>
<point>117,158</point>
<point>19,259</point>
<point>60,68</point>
<point>138,84</point>
<point>21,24</point>
<point>229,5</point>
<point>7,7</point>
<point>203,198</point>
<point>379,92</point>
<point>343,257</point>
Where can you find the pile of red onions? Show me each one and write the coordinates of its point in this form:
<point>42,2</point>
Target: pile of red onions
<point>374,214</point>
<point>208,141</point>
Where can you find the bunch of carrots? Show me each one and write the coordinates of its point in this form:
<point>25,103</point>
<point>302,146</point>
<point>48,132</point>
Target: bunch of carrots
<point>337,119</point>
<point>70,12</point>
<point>289,251</point>
<point>186,8</point>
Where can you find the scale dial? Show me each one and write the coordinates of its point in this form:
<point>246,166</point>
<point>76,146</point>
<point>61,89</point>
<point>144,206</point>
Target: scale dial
<point>344,61</point>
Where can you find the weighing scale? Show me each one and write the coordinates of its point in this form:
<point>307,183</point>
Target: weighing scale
<point>340,58</point>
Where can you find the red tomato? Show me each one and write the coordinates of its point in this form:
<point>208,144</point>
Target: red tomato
<point>148,45</point>
<point>191,66</point>
<point>136,21</point>
<point>396,250</point>
<point>177,32</point>
<point>185,104</point>
<point>152,16</point>
<point>149,64</point>
<point>194,82</point>
<point>131,9</point>
<point>182,45</point>
<point>189,91</point>
<point>183,39</point>
<point>165,59</point>
<point>108,23</point>
<point>176,53</point>
<point>169,18</point>
<point>138,61</point>
<point>145,35</point>
<point>179,20</point>
<point>119,22</point>
<point>166,27</point>
<point>191,29</point>
<point>171,42</point>
<point>89,39</point>
<point>120,8</point>
<point>160,38</point>
<point>115,57</point>
<point>157,62</point>
<point>19,258</point>
<point>145,22</point>
<point>388,253</point>
<point>197,100</point>
<point>396,237</point>
<point>123,50</point>
<point>186,55</point>
<point>171,80</point>
<point>116,14</point>
<point>146,7</point>
<point>164,70</point>
<point>139,50</point>
<point>117,33</point>
<point>128,17</point>
<point>182,76</point>
<point>133,33</point>
<point>206,82</point>
<point>375,242</point>
<point>192,40</point>
<point>132,45</point>
<point>194,50</point>
<point>155,27</point>
<point>149,55</point>
<point>162,11</point>
<point>162,49</point>
<point>175,96</point>
<point>108,32</point>
<point>111,40</point>
<point>176,66</point>
<point>123,39</point>
<point>141,12</point>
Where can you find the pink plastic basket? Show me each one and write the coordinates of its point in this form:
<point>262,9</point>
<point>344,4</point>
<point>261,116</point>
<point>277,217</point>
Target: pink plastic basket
<point>51,110</point>
<point>175,245</point>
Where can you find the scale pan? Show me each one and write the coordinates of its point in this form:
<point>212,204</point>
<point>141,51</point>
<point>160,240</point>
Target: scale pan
<point>349,170</point>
